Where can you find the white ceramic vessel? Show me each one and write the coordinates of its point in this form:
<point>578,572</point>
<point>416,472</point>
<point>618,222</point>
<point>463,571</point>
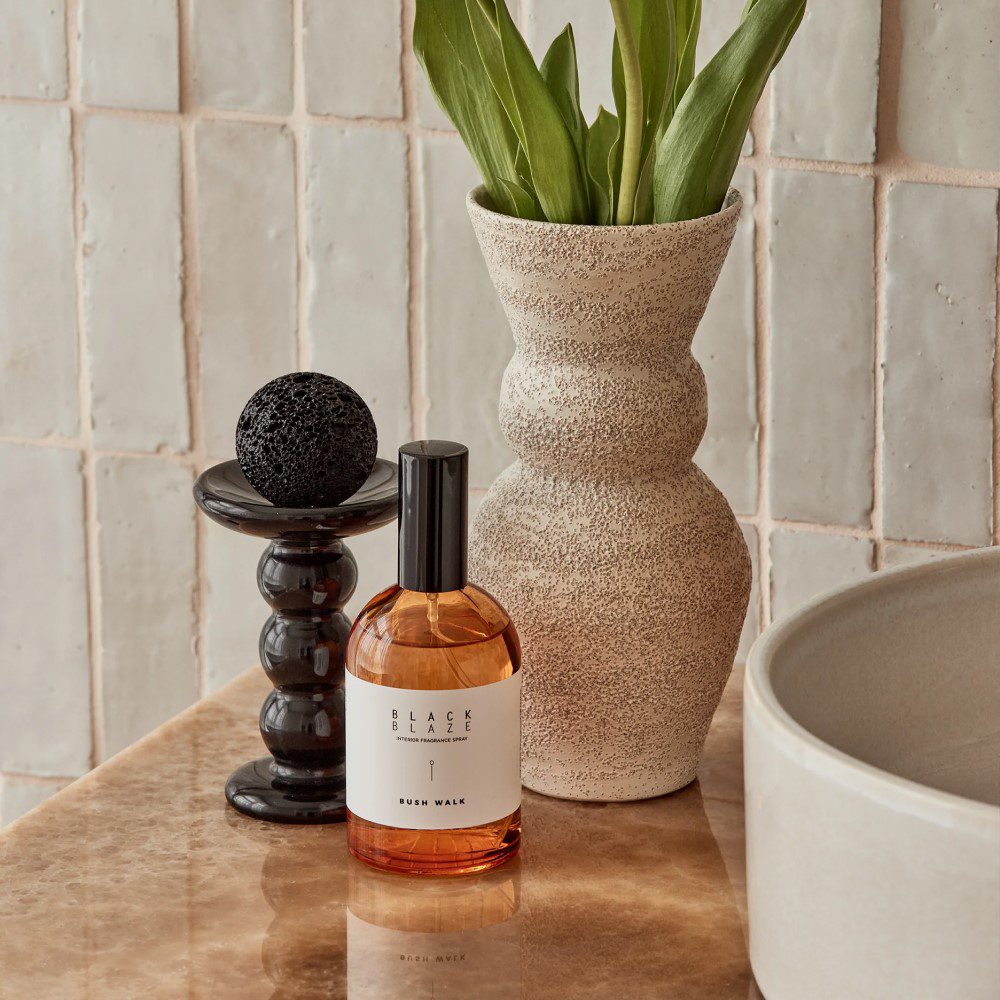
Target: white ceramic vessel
<point>872,743</point>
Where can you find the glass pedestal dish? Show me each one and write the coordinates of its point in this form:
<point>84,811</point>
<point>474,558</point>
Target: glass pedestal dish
<point>307,574</point>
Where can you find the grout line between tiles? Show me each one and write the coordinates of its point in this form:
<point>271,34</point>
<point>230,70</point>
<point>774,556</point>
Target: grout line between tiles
<point>762,353</point>
<point>91,528</point>
<point>42,779</point>
<point>995,532</point>
<point>847,531</point>
<point>878,370</point>
<point>298,124</point>
<point>885,172</point>
<point>191,311</point>
<point>414,327</point>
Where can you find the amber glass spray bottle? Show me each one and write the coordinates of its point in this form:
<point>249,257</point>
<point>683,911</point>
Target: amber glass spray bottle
<point>433,694</point>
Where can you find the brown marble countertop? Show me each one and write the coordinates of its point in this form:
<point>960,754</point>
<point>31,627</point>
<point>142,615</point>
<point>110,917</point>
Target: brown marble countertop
<point>138,881</point>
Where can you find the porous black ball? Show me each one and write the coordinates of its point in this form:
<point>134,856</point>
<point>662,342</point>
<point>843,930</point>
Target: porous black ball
<point>306,440</point>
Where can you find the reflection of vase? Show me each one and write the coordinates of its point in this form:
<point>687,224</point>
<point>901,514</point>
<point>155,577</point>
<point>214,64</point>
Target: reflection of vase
<point>619,561</point>
<point>433,939</point>
<point>630,901</point>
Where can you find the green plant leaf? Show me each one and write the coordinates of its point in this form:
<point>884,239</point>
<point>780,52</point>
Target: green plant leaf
<point>444,44</point>
<point>525,203</point>
<point>688,20</point>
<point>698,154</point>
<point>655,36</point>
<point>486,31</point>
<point>601,138</point>
<point>559,71</point>
<point>643,211</point>
<point>556,173</point>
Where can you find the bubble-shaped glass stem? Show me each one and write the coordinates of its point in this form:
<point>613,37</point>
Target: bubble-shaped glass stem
<point>307,574</point>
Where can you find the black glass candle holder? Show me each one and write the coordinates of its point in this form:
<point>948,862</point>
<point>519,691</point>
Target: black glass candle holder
<point>307,574</point>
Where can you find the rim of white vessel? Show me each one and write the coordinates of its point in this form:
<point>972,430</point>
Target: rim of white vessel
<point>905,794</point>
<point>477,201</point>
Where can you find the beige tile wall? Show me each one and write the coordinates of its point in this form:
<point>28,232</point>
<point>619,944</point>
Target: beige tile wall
<point>199,195</point>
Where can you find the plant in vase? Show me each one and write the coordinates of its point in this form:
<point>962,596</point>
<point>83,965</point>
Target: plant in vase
<point>621,563</point>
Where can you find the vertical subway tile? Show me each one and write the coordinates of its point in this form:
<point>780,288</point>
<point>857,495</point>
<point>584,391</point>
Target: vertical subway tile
<point>593,31</point>
<point>45,673</point>
<point>33,48</point>
<point>940,307</point>
<point>896,554</point>
<point>20,794</point>
<point>128,53</point>
<point>725,349</point>
<point>147,579</point>
<point>357,248</point>
<point>751,624</point>
<point>234,611</point>
<point>822,321</point>
<point>132,275</point>
<point>247,276</point>
<point>718,21</point>
<point>826,85</point>
<point>352,58</point>
<point>467,342</point>
<point>243,54</point>
<point>949,78</point>
<point>804,565</point>
<point>38,343</point>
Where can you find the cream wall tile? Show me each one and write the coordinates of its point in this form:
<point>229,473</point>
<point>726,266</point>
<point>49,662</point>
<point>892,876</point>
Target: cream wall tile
<point>246,235</point>
<point>33,48</point>
<point>804,565</point>
<point>352,58</point>
<point>45,674</point>
<point>822,353</point>
<point>132,269</point>
<point>939,332</point>
<point>358,251</point>
<point>896,554</point>
<point>147,575</point>
<point>19,794</point>
<point>593,31</point>
<point>826,85</point>
<point>234,612</point>
<point>949,80</point>
<point>375,553</point>
<point>725,348</point>
<point>467,340</point>
<point>243,54</point>
<point>128,53</point>
<point>719,19</point>
<point>38,333</point>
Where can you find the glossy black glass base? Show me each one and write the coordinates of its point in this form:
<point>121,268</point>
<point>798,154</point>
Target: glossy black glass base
<point>256,790</point>
<point>307,574</point>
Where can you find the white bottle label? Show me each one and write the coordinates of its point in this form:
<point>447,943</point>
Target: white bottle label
<point>433,760</point>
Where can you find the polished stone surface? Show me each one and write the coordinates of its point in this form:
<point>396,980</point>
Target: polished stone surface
<point>139,881</point>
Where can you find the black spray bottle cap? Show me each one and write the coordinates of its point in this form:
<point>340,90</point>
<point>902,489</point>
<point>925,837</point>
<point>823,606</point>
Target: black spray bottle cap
<point>433,516</point>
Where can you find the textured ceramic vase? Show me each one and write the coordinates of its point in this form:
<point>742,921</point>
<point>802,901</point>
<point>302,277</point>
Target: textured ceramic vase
<point>618,559</point>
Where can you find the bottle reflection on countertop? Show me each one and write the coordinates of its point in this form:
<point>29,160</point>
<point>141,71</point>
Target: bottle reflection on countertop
<point>438,939</point>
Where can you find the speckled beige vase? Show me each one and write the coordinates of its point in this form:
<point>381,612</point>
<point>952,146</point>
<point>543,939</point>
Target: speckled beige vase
<point>619,561</point>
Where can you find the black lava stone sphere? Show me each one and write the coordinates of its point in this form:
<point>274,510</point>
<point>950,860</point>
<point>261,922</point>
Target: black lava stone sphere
<point>306,440</point>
